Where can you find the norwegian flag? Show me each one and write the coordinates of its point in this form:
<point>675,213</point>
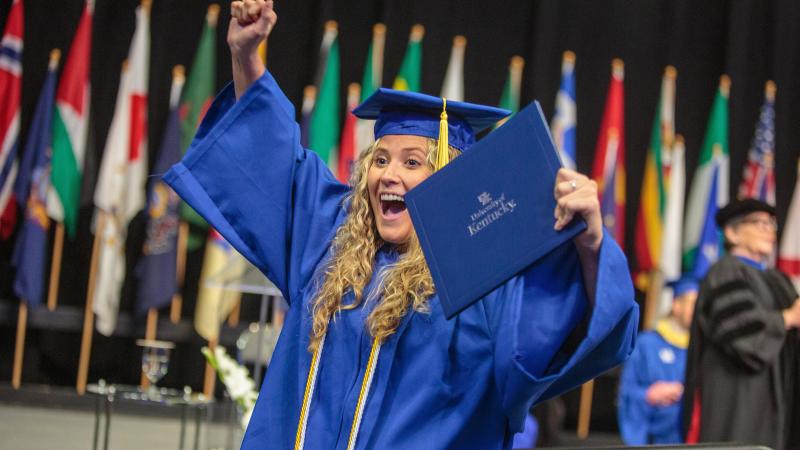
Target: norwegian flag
<point>759,176</point>
<point>10,94</point>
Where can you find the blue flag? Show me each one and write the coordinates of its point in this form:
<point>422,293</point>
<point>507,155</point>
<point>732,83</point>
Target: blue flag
<point>157,269</point>
<point>708,250</point>
<point>31,187</point>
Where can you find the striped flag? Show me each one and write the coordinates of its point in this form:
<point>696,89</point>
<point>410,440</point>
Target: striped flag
<point>566,117</point>
<point>120,186</point>
<point>309,97</point>
<point>511,91</point>
<point>715,143</point>
<point>789,256</point>
<point>198,93</point>
<point>157,268</point>
<point>453,86</point>
<point>410,74</point>
<point>710,245</point>
<point>10,95</point>
<point>372,80</point>
<point>70,127</point>
<point>324,127</point>
<point>652,204</point>
<point>609,160</point>
<point>759,176</point>
<point>347,146</point>
<point>30,250</point>
<point>673,212</point>
<point>221,265</point>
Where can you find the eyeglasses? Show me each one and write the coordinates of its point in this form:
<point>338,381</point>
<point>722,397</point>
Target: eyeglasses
<point>763,224</point>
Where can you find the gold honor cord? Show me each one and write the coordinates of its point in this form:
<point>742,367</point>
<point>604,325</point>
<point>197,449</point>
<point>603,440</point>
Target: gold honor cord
<point>362,396</point>
<point>311,382</point>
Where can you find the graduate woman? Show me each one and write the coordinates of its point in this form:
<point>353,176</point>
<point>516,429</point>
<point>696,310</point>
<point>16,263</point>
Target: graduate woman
<point>366,358</point>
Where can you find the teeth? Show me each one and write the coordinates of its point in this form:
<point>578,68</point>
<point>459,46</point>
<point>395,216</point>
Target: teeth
<point>391,197</point>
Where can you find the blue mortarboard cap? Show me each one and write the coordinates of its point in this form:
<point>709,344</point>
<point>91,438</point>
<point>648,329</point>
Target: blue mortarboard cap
<point>412,113</point>
<point>683,285</point>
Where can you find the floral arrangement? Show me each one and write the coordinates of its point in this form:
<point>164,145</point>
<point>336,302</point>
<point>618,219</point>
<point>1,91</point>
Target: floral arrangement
<point>237,381</point>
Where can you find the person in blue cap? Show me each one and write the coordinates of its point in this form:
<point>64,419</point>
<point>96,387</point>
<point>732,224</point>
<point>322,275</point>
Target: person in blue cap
<point>651,385</point>
<point>366,358</point>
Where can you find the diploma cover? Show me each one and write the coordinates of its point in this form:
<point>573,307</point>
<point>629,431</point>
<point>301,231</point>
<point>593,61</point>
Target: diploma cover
<point>488,214</point>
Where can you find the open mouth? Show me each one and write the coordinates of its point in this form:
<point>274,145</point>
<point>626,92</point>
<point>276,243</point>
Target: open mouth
<point>392,205</point>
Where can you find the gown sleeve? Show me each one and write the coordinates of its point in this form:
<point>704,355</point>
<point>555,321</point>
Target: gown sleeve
<point>633,412</point>
<point>248,176</point>
<point>739,323</point>
<point>548,338</point>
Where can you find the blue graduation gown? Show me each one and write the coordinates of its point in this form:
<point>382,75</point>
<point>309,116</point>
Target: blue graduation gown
<point>641,423</point>
<point>461,383</point>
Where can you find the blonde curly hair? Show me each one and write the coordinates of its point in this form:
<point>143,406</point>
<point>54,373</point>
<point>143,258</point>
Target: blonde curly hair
<point>405,284</point>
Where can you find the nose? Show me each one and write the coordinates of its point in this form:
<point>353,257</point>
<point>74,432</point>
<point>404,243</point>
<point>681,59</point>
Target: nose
<point>390,174</point>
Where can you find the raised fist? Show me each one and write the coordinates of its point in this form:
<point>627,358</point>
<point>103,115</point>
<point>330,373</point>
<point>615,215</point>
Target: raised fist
<point>251,23</point>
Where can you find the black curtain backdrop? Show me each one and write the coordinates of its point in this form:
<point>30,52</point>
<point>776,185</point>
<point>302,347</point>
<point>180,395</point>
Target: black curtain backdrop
<point>751,40</point>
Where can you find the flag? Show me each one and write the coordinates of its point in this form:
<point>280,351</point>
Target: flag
<point>609,160</point>
<point>653,200</point>
<point>511,91</point>
<point>347,147</point>
<point>70,127</point>
<point>221,265</point>
<point>566,116</point>
<point>157,268</point>
<point>198,93</point>
<point>372,80</point>
<point>789,256</point>
<point>323,133</point>
<point>759,175</point>
<point>715,141</point>
<point>119,194</point>
<point>30,250</point>
<point>673,213</point>
<point>309,97</point>
<point>410,74</point>
<point>709,247</point>
<point>453,86</point>
<point>10,95</point>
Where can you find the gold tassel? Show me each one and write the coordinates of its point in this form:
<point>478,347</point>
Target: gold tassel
<point>443,151</point>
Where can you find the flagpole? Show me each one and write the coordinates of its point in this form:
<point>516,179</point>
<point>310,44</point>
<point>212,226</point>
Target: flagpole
<point>585,410</point>
<point>210,375</point>
<point>233,318</point>
<point>655,286</point>
<point>177,299</point>
<point>88,316</point>
<point>19,346</point>
<point>55,267</point>
<point>149,335</point>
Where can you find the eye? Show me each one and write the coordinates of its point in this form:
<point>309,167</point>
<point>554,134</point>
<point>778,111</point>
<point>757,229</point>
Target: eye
<point>380,160</point>
<point>413,162</point>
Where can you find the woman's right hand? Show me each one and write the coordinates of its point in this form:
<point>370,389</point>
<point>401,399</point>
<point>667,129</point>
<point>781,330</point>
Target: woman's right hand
<point>251,23</point>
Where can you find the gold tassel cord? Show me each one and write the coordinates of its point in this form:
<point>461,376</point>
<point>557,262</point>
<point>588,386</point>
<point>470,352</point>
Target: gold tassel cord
<point>443,150</point>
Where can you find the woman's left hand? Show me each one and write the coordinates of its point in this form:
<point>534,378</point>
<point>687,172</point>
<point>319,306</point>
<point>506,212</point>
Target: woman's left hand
<point>577,194</point>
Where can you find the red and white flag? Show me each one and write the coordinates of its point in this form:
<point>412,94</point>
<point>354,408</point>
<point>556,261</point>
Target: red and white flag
<point>120,191</point>
<point>789,256</point>
<point>10,94</point>
<point>347,146</point>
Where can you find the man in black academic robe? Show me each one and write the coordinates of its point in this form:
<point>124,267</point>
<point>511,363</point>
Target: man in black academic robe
<point>744,352</point>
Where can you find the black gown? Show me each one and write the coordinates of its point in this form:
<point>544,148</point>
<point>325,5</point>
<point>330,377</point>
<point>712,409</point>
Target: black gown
<point>743,366</point>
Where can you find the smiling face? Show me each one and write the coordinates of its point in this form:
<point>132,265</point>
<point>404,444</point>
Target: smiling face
<point>399,163</point>
<point>753,236</point>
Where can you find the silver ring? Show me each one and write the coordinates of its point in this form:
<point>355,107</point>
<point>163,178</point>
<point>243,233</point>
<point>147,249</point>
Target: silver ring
<point>574,185</point>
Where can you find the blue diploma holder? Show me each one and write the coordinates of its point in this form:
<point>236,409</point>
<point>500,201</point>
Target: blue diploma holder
<point>488,214</point>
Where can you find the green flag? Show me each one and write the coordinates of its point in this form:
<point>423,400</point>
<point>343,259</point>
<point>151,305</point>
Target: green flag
<point>70,128</point>
<point>408,78</point>
<point>197,96</point>
<point>510,98</point>
<point>715,144</point>
<point>323,134</point>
